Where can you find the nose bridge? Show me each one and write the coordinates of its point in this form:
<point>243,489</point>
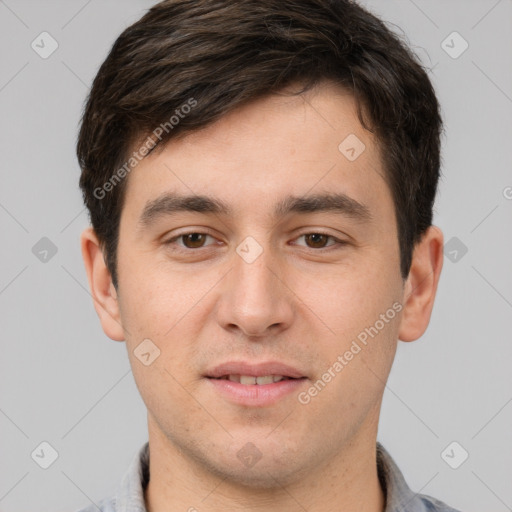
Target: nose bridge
<point>253,298</point>
<point>253,279</point>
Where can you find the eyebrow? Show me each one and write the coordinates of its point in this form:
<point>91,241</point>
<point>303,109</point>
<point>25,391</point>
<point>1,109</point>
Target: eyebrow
<point>328,202</point>
<point>169,203</point>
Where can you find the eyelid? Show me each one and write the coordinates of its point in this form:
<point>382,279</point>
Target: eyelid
<point>337,241</point>
<point>199,231</point>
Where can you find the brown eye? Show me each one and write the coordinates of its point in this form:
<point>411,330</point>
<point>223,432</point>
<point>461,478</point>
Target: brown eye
<point>193,240</point>
<point>316,240</point>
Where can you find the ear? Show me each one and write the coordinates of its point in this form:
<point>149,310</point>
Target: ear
<point>421,285</point>
<point>100,282</point>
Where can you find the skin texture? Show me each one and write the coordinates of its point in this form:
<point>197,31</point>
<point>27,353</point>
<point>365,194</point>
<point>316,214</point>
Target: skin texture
<point>296,303</point>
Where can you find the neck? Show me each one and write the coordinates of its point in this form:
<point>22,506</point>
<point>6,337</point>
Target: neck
<point>348,482</point>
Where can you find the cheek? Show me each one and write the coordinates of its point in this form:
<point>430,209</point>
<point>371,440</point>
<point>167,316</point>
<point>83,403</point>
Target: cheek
<point>349,299</point>
<point>152,299</point>
<point>168,309</point>
<point>360,311</point>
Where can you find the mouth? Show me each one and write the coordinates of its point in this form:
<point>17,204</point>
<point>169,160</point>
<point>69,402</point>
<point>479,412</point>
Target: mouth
<point>240,371</point>
<point>255,385</point>
<point>251,380</point>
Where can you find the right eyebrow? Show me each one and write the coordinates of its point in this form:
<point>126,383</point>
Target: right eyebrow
<point>169,203</point>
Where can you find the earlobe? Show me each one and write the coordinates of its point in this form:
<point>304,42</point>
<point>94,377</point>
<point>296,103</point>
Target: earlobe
<point>100,283</point>
<point>421,285</point>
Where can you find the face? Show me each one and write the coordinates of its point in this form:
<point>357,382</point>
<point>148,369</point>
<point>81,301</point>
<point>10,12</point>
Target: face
<point>274,299</point>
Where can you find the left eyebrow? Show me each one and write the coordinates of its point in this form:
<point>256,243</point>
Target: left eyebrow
<point>334,202</point>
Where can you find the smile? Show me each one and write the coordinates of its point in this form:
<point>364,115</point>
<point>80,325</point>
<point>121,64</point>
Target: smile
<point>249,380</point>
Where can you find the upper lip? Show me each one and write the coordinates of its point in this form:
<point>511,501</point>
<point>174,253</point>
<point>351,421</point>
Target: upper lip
<point>254,370</point>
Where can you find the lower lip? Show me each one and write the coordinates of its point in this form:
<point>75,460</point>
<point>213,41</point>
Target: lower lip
<point>256,395</point>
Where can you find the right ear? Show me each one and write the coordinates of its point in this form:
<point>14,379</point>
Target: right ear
<point>102,289</point>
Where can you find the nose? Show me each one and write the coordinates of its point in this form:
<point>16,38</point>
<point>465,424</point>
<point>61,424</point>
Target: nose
<point>254,299</point>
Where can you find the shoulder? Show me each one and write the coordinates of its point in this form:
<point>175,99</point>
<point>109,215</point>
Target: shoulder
<point>434,505</point>
<point>105,505</point>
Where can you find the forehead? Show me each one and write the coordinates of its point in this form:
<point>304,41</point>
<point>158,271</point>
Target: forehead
<point>275,147</point>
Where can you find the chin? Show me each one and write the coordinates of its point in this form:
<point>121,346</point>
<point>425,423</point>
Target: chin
<point>270,466</point>
<point>263,476</point>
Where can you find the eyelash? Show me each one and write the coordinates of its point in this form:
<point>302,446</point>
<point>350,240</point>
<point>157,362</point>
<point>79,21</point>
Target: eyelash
<point>337,241</point>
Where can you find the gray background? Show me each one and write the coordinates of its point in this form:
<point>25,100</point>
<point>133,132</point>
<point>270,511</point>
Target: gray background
<point>64,382</point>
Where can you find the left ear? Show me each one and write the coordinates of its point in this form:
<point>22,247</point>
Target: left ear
<point>421,285</point>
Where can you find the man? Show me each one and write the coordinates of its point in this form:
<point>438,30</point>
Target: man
<point>260,177</point>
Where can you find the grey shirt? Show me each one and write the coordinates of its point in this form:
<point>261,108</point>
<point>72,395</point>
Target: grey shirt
<point>399,498</point>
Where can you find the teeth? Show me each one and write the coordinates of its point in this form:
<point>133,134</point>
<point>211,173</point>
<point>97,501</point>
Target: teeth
<point>267,379</point>
<point>248,380</point>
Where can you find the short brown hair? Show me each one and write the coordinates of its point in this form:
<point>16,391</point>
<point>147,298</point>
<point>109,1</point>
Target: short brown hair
<point>224,53</point>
